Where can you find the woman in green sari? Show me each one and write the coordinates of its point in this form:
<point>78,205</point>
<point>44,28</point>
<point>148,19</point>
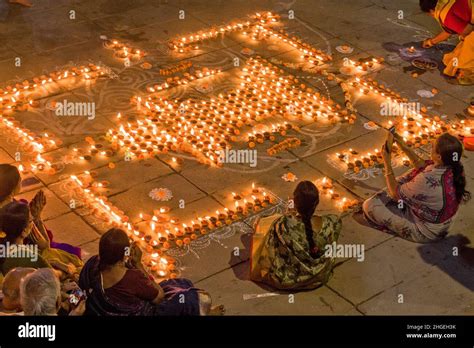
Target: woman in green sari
<point>288,251</point>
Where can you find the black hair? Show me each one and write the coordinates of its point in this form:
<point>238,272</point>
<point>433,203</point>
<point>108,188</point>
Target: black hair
<point>428,5</point>
<point>450,149</point>
<point>306,199</point>
<point>14,219</point>
<point>112,247</point>
<point>9,179</point>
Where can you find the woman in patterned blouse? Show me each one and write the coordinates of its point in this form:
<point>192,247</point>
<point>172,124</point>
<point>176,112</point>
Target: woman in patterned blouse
<point>421,205</point>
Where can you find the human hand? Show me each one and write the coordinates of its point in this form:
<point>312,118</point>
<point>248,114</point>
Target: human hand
<point>69,285</point>
<point>37,205</point>
<point>428,43</point>
<point>79,310</point>
<point>386,155</point>
<point>398,138</point>
<point>388,143</point>
<point>75,277</point>
<point>71,269</point>
<point>42,244</point>
<point>73,273</point>
<point>135,254</point>
<point>390,138</point>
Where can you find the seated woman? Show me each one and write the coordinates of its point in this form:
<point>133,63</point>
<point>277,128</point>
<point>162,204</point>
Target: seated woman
<point>118,285</point>
<point>456,17</point>
<point>16,225</point>
<point>10,185</point>
<point>420,206</point>
<point>288,250</point>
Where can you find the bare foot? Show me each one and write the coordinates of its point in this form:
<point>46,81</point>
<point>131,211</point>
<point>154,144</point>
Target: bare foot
<point>359,217</point>
<point>217,310</point>
<point>26,3</point>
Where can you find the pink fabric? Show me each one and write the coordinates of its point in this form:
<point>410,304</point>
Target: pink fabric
<point>430,193</point>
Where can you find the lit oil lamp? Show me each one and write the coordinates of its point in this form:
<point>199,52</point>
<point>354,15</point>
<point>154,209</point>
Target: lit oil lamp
<point>203,222</point>
<point>236,197</point>
<point>327,183</point>
<point>238,208</point>
<point>220,216</point>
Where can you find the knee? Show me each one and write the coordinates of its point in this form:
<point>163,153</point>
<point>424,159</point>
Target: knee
<point>370,208</point>
<point>368,205</point>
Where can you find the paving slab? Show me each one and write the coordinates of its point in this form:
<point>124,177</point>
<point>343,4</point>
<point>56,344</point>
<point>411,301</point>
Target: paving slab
<point>76,233</point>
<point>180,188</point>
<point>69,163</point>
<point>230,286</point>
<point>7,53</point>
<point>129,174</point>
<point>235,175</point>
<point>104,8</point>
<point>214,253</point>
<point>54,206</point>
<point>135,17</point>
<point>226,11</point>
<point>89,249</point>
<point>321,136</point>
<point>424,296</point>
<point>5,157</point>
<point>387,30</point>
<point>423,21</point>
<point>355,233</point>
<point>359,20</point>
<point>456,91</point>
<point>391,263</point>
<point>41,35</point>
<point>407,6</point>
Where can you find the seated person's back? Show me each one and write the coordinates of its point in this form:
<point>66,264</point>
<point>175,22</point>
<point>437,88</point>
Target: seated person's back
<point>288,251</point>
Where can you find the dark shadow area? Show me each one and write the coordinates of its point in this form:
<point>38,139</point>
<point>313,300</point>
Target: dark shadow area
<point>461,267</point>
<point>4,10</point>
<point>242,269</point>
<point>361,220</point>
<point>29,182</point>
<point>241,273</point>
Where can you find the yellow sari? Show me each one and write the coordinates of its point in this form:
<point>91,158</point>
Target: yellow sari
<point>461,59</point>
<point>57,258</point>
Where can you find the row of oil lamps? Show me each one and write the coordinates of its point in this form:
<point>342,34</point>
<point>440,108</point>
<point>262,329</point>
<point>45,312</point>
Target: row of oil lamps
<point>159,232</point>
<point>24,95</point>
<point>416,127</point>
<point>204,128</point>
<point>191,41</point>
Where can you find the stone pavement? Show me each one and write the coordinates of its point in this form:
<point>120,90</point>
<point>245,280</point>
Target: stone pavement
<point>428,278</point>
